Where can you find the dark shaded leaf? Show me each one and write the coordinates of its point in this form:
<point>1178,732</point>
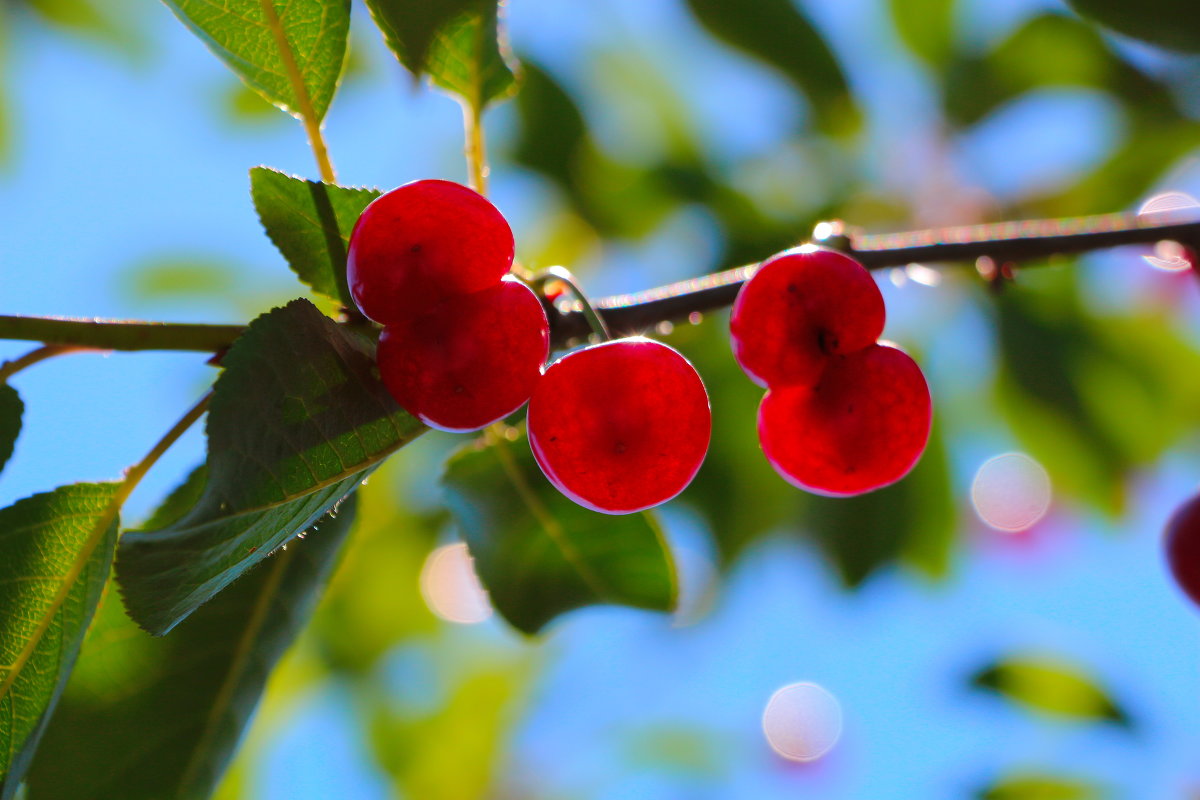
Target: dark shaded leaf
<point>56,560</point>
<point>538,553</point>
<point>1041,786</point>
<point>148,718</point>
<point>1172,24</point>
<point>310,222</point>
<point>458,43</point>
<point>1053,687</point>
<point>912,520</point>
<point>11,410</point>
<point>777,33</point>
<point>292,55</point>
<point>926,27</point>
<point>298,420</point>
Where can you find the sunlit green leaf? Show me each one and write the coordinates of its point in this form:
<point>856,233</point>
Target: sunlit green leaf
<point>310,222</point>
<point>458,43</point>
<point>11,410</point>
<point>777,33</point>
<point>298,419</point>
<point>538,553</point>
<point>1167,23</point>
<point>1053,687</point>
<point>49,588</point>
<point>290,51</point>
<point>147,718</point>
<point>1041,786</point>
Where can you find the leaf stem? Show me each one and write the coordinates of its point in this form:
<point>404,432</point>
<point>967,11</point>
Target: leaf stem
<point>107,517</point>
<point>476,152</point>
<point>10,368</point>
<point>308,114</point>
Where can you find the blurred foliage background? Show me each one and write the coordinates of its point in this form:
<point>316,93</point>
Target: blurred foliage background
<point>652,141</point>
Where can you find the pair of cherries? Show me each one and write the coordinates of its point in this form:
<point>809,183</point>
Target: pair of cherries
<point>618,427</point>
<point>843,413</point>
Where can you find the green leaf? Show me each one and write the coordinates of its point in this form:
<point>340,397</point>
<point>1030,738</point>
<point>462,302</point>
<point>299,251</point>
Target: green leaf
<point>1172,24</point>
<point>777,33</point>
<point>310,222</point>
<point>1052,687</point>
<point>913,519</point>
<point>926,27</point>
<point>11,410</point>
<point>147,718</point>
<point>458,43</point>
<point>289,51</point>
<point>1041,786</point>
<point>538,553</point>
<point>297,421</point>
<point>55,561</point>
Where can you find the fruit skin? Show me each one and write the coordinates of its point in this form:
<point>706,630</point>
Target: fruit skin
<point>422,243</point>
<point>470,360</point>
<point>1182,543</point>
<point>861,426</point>
<point>620,426</point>
<point>800,308</point>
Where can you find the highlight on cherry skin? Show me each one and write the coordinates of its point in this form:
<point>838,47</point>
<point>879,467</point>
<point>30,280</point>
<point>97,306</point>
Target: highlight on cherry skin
<point>620,426</point>
<point>1182,544</point>
<point>861,426</point>
<point>799,308</point>
<point>421,243</point>
<point>469,360</point>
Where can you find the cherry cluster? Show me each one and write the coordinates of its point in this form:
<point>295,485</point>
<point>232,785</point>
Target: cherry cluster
<point>843,413</point>
<point>618,427</point>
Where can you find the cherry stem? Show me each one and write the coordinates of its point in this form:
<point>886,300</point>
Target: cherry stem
<point>10,368</point>
<point>642,311</point>
<point>594,321</point>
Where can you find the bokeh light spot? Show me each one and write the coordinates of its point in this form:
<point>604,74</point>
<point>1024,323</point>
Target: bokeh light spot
<point>451,588</point>
<point>1011,492</point>
<point>802,722</point>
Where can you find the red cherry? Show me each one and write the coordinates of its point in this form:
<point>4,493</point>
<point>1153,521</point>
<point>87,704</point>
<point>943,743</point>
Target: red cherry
<point>470,360</point>
<point>801,307</point>
<point>1183,547</point>
<point>861,426</point>
<point>621,426</point>
<point>422,243</point>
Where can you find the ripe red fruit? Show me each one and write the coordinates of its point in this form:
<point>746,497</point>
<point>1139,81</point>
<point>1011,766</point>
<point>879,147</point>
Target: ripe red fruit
<point>801,307</point>
<point>1183,547</point>
<point>861,426</point>
<point>470,360</point>
<point>621,426</point>
<point>422,243</point>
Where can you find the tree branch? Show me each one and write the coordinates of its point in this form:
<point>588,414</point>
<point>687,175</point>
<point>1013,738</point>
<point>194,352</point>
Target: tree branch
<point>633,313</point>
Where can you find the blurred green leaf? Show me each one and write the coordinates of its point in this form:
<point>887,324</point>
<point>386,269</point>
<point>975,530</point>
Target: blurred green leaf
<point>298,419</point>
<point>538,553</point>
<point>310,222</point>
<point>41,629</point>
<point>913,519</point>
<point>1090,398</point>
<point>102,21</point>
<point>179,277</point>
<point>1039,786</point>
<point>458,43</point>
<point>777,33</point>
<point>454,753</point>
<point>291,51</point>
<point>1172,24</point>
<point>926,27</point>
<point>149,718</point>
<point>11,410</point>
<point>1053,687</point>
<point>242,104</point>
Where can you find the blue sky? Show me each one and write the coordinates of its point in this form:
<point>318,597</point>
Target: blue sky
<point>123,161</point>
